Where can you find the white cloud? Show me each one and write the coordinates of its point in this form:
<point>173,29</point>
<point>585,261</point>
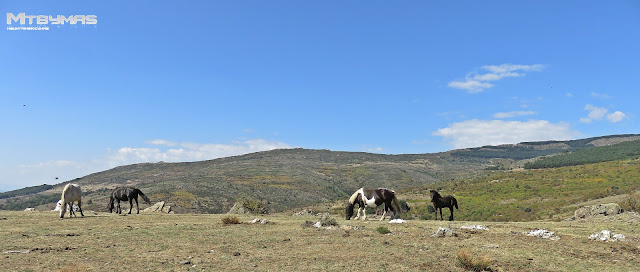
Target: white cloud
<point>472,86</point>
<point>595,113</point>
<point>598,114</point>
<point>616,117</point>
<point>599,95</point>
<point>189,152</point>
<point>585,120</point>
<point>162,142</point>
<point>502,115</point>
<point>507,68</point>
<point>474,133</point>
<point>475,83</point>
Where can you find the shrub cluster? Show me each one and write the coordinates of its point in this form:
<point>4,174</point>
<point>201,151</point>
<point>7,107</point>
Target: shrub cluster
<point>383,230</point>
<point>468,262</point>
<point>230,220</point>
<point>254,206</point>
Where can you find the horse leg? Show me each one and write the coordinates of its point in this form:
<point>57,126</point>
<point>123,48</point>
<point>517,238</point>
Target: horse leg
<point>80,207</point>
<point>357,214</point>
<point>384,213</point>
<point>393,211</point>
<point>71,211</point>
<point>119,210</point>
<point>130,205</point>
<point>451,209</point>
<point>137,207</point>
<point>441,218</point>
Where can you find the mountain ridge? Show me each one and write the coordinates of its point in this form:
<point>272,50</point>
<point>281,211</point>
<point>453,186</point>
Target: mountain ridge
<point>294,178</point>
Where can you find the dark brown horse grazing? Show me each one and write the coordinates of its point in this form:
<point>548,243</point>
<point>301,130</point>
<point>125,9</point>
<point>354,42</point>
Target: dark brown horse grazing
<point>371,198</point>
<point>124,194</point>
<point>440,202</point>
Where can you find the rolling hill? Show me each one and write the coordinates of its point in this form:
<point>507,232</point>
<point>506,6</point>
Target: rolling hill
<point>293,178</point>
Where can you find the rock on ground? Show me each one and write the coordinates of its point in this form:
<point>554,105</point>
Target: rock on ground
<point>475,227</point>
<point>607,235</point>
<point>597,210</point>
<point>444,232</point>
<point>159,207</point>
<point>544,234</point>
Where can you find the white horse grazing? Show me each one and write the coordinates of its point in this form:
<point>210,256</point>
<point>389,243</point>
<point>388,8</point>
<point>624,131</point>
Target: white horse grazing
<point>71,193</point>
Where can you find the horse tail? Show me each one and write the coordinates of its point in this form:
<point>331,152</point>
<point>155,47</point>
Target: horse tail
<point>144,197</point>
<point>353,197</point>
<point>395,202</point>
<point>455,202</point>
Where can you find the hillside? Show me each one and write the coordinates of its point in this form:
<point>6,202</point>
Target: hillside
<point>294,178</point>
<point>526,195</point>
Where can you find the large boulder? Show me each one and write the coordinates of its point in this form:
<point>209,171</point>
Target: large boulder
<point>597,210</point>
<point>159,207</point>
<point>238,208</point>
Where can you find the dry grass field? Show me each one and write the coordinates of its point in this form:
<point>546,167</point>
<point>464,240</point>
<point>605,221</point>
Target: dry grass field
<point>39,241</point>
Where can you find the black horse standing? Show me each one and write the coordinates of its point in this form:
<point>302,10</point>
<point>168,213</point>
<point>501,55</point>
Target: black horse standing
<point>124,194</point>
<point>440,202</point>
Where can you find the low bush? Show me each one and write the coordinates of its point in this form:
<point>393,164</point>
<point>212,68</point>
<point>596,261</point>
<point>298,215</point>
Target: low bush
<point>469,262</point>
<point>230,220</point>
<point>383,230</point>
<point>632,203</point>
<point>327,220</point>
<point>254,206</point>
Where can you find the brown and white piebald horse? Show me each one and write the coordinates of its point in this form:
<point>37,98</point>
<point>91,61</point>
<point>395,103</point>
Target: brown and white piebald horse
<point>371,198</point>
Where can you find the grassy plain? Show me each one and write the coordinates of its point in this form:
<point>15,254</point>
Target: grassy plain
<point>39,241</point>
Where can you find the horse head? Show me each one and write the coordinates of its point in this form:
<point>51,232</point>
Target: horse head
<point>434,194</point>
<point>349,211</point>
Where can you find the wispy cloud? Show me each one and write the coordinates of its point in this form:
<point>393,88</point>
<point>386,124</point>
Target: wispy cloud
<point>478,82</point>
<point>511,114</point>
<point>188,151</point>
<point>616,117</point>
<point>162,142</point>
<point>600,95</point>
<point>599,113</point>
<point>474,133</point>
<point>472,86</point>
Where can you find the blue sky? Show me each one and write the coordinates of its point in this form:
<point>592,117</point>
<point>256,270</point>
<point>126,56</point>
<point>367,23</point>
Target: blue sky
<point>175,81</point>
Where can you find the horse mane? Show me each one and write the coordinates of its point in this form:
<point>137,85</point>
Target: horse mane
<point>64,190</point>
<point>354,196</point>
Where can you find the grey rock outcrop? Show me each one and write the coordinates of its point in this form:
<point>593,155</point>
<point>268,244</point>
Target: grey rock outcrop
<point>159,207</point>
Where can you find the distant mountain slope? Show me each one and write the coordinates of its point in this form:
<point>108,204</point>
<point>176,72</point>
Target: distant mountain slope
<point>619,151</point>
<point>292,178</point>
<point>528,150</point>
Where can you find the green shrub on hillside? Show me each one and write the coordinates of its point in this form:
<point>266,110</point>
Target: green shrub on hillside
<point>254,206</point>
